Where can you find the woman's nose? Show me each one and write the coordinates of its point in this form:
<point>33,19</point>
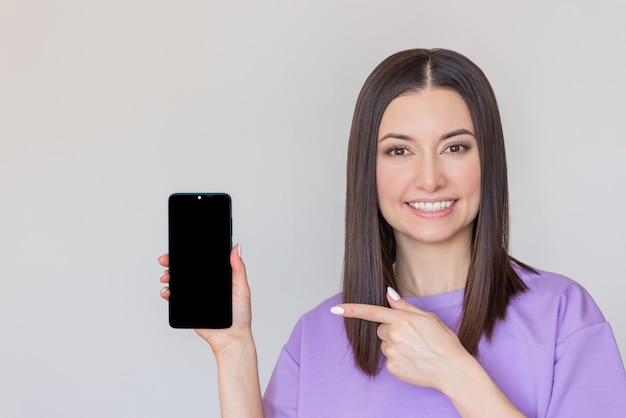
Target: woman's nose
<point>430,176</point>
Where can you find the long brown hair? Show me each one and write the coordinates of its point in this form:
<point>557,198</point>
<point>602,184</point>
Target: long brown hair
<point>370,247</point>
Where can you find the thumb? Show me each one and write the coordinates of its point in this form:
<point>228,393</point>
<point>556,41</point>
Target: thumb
<point>396,302</point>
<point>238,266</point>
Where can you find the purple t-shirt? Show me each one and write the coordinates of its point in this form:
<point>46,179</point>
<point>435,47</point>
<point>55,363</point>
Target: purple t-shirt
<point>554,356</point>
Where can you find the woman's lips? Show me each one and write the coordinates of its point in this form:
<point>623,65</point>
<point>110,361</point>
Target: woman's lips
<point>435,206</point>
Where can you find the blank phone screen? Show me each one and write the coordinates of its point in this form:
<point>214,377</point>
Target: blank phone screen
<point>199,249</point>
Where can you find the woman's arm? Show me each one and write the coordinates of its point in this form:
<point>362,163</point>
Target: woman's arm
<point>238,380</point>
<point>474,394</point>
<point>234,349</point>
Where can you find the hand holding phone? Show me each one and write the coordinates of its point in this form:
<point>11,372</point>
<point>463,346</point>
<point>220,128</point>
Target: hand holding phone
<point>200,275</point>
<point>233,347</point>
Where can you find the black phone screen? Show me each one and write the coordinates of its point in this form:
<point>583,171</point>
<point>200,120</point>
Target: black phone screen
<point>200,239</point>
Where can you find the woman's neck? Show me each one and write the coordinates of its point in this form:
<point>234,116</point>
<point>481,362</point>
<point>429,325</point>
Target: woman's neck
<point>431,269</point>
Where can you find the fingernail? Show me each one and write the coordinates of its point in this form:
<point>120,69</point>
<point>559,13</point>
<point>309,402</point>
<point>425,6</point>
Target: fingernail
<point>165,289</point>
<point>337,310</point>
<point>394,295</point>
<point>239,250</point>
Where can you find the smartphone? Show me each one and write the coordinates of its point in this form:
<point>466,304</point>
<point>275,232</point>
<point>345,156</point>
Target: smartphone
<point>200,240</point>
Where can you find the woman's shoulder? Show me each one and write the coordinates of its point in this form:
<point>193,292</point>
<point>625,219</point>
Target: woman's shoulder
<point>322,310</point>
<point>559,294</point>
<point>316,328</point>
<point>543,280</point>
<point>320,316</point>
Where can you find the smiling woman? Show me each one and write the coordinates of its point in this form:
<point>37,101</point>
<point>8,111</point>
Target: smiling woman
<point>428,174</point>
<point>436,319</point>
<point>429,95</point>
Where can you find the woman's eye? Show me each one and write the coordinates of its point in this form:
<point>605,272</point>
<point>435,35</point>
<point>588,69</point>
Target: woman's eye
<point>398,151</point>
<point>455,148</point>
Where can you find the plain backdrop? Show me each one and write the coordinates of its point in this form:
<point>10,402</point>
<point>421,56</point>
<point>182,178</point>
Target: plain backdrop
<point>107,107</point>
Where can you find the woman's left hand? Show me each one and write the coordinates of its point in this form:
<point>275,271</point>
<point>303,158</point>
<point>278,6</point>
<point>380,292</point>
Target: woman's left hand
<point>423,351</point>
<point>420,349</point>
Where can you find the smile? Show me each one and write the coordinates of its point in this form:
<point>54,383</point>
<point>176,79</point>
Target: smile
<point>431,206</point>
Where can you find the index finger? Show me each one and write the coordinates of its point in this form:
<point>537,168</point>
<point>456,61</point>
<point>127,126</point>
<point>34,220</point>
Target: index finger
<point>372,313</point>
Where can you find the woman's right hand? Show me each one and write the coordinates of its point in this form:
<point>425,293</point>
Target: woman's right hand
<point>240,330</point>
<point>234,349</point>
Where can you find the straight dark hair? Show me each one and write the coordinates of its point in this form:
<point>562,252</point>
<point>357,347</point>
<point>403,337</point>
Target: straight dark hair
<point>370,248</point>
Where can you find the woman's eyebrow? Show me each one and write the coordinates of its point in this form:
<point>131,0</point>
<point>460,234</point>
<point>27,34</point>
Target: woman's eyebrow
<point>397,136</point>
<point>448,135</point>
<point>456,133</point>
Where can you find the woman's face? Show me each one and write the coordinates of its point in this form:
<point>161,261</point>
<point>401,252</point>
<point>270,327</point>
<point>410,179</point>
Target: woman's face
<point>428,168</point>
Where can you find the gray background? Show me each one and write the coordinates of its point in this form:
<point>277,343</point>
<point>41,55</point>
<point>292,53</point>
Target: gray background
<point>106,107</point>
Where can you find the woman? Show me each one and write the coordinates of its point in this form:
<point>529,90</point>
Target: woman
<point>435,319</point>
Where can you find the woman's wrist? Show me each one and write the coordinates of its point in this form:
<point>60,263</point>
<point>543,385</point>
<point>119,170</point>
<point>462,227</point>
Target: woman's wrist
<point>235,348</point>
<point>474,394</point>
<point>238,377</point>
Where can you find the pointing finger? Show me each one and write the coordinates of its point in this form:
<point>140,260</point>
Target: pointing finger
<point>373,313</point>
<point>378,314</point>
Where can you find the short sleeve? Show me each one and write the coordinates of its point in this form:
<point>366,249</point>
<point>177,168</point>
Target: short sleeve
<point>589,377</point>
<point>281,396</point>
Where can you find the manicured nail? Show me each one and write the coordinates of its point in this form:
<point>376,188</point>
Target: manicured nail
<point>394,295</point>
<point>165,289</point>
<point>337,310</point>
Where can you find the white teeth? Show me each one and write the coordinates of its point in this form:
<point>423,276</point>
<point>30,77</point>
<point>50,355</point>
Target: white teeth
<point>431,206</point>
